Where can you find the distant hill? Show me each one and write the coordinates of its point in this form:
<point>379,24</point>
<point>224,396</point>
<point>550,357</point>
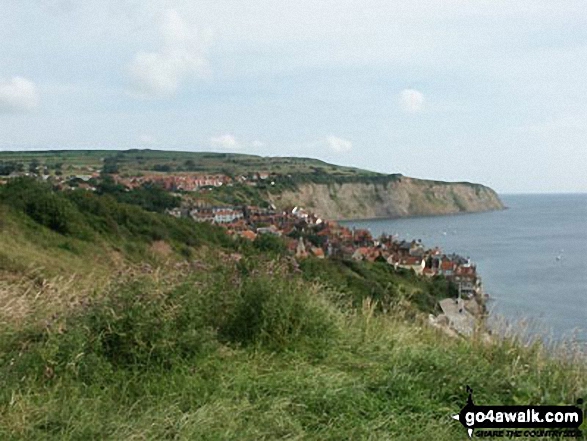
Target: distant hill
<point>205,162</point>
<point>331,191</point>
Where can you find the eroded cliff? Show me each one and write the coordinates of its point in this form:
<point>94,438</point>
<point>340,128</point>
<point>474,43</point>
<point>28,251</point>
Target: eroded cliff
<point>394,198</point>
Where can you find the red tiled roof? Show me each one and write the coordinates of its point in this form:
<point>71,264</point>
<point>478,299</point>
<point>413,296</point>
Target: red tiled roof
<point>447,265</point>
<point>318,252</point>
<point>411,261</point>
<point>248,234</point>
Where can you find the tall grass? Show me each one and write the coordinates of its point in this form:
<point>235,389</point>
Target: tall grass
<point>150,328</point>
<point>247,352</point>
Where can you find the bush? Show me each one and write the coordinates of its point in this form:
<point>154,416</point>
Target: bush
<point>378,281</point>
<point>107,216</point>
<point>133,328</point>
<point>150,197</point>
<point>44,206</point>
<point>270,243</point>
<point>272,312</point>
<point>137,328</point>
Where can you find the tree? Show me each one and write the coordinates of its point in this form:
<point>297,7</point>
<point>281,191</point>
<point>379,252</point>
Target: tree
<point>162,168</point>
<point>110,165</point>
<point>33,165</point>
<point>270,243</point>
<point>8,167</point>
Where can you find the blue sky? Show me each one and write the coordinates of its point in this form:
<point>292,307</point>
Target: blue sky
<point>490,91</point>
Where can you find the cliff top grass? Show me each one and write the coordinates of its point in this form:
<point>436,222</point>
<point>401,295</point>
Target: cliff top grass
<point>165,161</point>
<point>123,324</point>
<point>134,161</point>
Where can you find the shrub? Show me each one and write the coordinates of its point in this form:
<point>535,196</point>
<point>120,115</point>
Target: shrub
<point>133,328</point>
<point>150,197</point>
<point>44,206</point>
<point>270,243</point>
<point>277,314</point>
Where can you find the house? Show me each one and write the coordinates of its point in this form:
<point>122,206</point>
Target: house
<point>412,263</point>
<point>202,215</point>
<point>428,272</point>
<point>317,252</point>
<point>271,229</point>
<point>248,234</point>
<point>404,247</point>
<point>225,215</point>
<point>299,212</point>
<point>175,212</point>
<point>416,249</point>
<point>362,237</point>
<point>360,253</point>
<point>393,259</point>
<point>446,268</point>
<point>465,277</point>
<point>301,249</point>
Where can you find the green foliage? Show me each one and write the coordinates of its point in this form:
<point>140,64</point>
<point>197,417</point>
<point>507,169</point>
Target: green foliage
<point>46,207</point>
<point>378,281</point>
<point>317,241</point>
<point>239,194</point>
<point>163,168</point>
<point>270,243</point>
<point>33,165</point>
<point>259,357</point>
<point>151,197</point>
<point>130,330</point>
<point>254,350</point>
<point>110,165</point>
<point>10,167</point>
<point>110,217</point>
<point>85,215</point>
<point>275,313</point>
<point>137,328</point>
<point>322,176</point>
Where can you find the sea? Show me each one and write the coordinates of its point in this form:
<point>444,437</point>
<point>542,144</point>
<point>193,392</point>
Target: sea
<point>532,258</point>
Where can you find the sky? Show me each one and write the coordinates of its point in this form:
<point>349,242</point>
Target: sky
<point>488,91</point>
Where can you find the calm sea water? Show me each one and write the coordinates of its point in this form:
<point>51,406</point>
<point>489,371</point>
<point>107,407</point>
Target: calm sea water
<point>532,257</point>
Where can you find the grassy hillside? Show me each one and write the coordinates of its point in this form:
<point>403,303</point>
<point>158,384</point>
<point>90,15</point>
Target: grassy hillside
<point>134,161</point>
<point>332,191</point>
<point>117,323</point>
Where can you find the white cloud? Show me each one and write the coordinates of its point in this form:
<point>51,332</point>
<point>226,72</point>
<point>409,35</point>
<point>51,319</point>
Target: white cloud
<point>159,74</point>
<point>339,145</point>
<point>18,95</point>
<point>257,144</point>
<point>225,142</point>
<point>411,100</point>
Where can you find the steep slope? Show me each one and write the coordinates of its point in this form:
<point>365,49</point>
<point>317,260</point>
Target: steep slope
<point>395,198</point>
<point>116,323</point>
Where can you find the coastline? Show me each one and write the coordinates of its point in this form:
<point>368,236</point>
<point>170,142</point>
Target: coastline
<point>529,258</point>
<point>420,216</point>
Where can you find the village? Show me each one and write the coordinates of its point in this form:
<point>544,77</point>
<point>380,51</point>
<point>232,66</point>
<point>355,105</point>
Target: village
<point>85,177</point>
<point>305,233</point>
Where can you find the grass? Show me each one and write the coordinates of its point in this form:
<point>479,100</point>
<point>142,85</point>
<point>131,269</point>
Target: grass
<point>118,335</point>
<point>219,355</point>
<point>135,161</point>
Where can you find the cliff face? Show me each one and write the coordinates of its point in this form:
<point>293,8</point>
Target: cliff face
<point>396,198</point>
